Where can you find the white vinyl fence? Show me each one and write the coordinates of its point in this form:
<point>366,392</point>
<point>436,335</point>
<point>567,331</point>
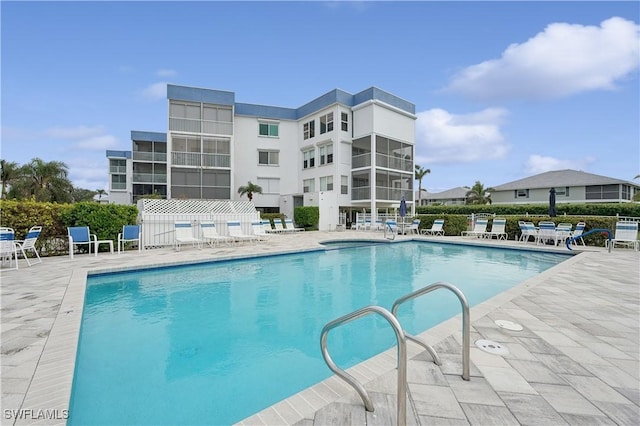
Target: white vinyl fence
<point>158,217</point>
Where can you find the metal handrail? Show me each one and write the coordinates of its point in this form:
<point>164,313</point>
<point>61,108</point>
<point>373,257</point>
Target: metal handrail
<point>402,358</point>
<point>570,240</point>
<point>386,225</point>
<point>465,323</point>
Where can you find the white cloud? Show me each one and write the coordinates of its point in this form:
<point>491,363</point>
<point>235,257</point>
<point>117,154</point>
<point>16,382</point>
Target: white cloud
<point>88,174</point>
<point>84,137</point>
<point>443,137</point>
<point>562,60</point>
<point>154,91</point>
<point>536,164</point>
<point>166,73</point>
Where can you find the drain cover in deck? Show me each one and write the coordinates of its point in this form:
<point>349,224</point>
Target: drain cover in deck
<point>508,325</point>
<point>492,347</point>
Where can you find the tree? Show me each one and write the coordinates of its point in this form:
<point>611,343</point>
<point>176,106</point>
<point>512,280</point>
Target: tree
<point>47,181</point>
<point>419,175</point>
<point>478,194</point>
<point>79,194</point>
<point>9,171</point>
<point>100,193</point>
<point>250,189</point>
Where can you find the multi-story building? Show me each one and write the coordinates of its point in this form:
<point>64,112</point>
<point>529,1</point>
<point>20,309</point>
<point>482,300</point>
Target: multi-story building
<point>341,152</point>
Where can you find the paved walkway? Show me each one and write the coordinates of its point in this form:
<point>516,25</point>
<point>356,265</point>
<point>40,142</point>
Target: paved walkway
<point>577,360</point>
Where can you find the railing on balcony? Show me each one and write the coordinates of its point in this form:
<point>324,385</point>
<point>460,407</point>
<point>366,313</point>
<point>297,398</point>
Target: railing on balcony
<point>362,160</point>
<point>198,126</point>
<point>149,156</point>
<point>361,193</point>
<point>184,125</point>
<point>396,163</point>
<point>200,160</point>
<point>149,178</point>
<point>118,169</point>
<point>118,185</point>
<point>393,194</point>
<point>217,127</point>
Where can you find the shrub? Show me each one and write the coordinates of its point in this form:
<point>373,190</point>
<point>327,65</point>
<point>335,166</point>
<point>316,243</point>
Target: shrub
<point>307,216</point>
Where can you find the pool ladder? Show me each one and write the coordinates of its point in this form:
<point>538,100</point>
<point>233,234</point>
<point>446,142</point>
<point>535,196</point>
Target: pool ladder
<point>401,338</point>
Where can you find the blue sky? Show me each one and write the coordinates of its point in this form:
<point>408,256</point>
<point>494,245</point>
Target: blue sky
<point>503,90</point>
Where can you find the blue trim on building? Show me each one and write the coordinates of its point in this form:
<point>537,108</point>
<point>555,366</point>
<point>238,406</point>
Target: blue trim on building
<point>265,111</point>
<point>137,135</point>
<point>195,94</point>
<point>118,154</point>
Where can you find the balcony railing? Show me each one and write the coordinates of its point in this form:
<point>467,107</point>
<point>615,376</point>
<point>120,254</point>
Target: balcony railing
<point>150,156</point>
<point>396,163</point>
<point>198,126</point>
<point>362,160</point>
<point>149,178</point>
<point>393,194</point>
<point>361,193</point>
<point>118,185</point>
<point>200,160</point>
<point>118,169</point>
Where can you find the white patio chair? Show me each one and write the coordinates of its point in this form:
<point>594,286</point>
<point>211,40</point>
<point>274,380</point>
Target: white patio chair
<point>210,234</point>
<point>278,226</point>
<point>437,228</point>
<point>414,228</point>
<point>527,230</point>
<point>547,232</point>
<point>626,234</point>
<point>290,227</point>
<point>498,229</point>
<point>29,243</point>
<point>576,234</point>
<point>8,247</point>
<point>236,233</point>
<point>479,229</point>
<point>259,231</point>
<point>184,234</point>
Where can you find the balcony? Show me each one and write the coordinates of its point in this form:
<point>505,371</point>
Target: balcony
<point>118,185</point>
<point>200,160</point>
<point>122,170</point>
<point>150,156</point>
<point>395,163</point>
<point>149,178</point>
<point>197,126</point>
<point>361,193</point>
<point>362,160</point>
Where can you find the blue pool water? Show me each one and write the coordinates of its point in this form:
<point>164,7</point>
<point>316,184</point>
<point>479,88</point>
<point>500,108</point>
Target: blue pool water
<point>215,343</point>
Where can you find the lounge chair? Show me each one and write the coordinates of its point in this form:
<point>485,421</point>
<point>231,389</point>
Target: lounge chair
<point>8,246</point>
<point>367,224</point>
<point>210,234</point>
<point>527,230</point>
<point>359,225</point>
<point>498,229</point>
<point>236,233</point>
<point>547,233</point>
<point>479,229</point>
<point>379,225</point>
<point>576,234</point>
<point>392,226</point>
<point>29,243</point>
<point>290,227</point>
<point>414,228</point>
<point>80,235</point>
<point>626,234</point>
<point>184,234</point>
<point>259,231</point>
<point>129,234</point>
<point>563,231</point>
<point>436,228</point>
<point>278,226</point>
<point>266,226</point>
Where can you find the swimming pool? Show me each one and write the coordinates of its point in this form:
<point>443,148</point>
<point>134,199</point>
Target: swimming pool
<point>214,343</point>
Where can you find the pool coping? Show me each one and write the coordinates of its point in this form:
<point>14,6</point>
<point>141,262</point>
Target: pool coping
<point>52,380</point>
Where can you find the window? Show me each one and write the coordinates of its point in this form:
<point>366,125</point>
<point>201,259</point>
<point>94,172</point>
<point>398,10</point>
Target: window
<point>308,185</point>
<point>522,193</point>
<point>326,183</point>
<point>309,129</point>
<point>268,129</point>
<point>326,154</point>
<point>309,159</point>
<point>344,184</point>
<point>345,121</point>
<point>269,185</point>
<point>326,123</point>
<point>602,192</point>
<point>562,191</point>
<point>626,192</point>
<point>268,158</point>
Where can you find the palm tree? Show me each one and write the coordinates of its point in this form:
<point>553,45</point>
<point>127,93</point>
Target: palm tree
<point>47,181</point>
<point>420,173</point>
<point>250,189</point>
<point>9,170</point>
<point>100,193</point>
<point>478,194</point>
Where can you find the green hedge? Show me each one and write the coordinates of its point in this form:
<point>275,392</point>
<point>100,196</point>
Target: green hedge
<point>307,217</point>
<point>104,220</point>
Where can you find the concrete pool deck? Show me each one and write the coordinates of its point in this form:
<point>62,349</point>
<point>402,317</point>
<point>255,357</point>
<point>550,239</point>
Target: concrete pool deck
<point>577,360</point>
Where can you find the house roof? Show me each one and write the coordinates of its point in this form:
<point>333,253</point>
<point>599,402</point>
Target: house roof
<point>449,194</point>
<point>558,178</point>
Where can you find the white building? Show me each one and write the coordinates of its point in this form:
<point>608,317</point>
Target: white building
<point>344,153</point>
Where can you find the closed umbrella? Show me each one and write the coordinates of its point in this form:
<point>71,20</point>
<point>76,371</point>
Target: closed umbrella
<point>552,202</point>
<point>403,211</point>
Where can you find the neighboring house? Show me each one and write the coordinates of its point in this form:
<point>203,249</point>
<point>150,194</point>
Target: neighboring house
<point>449,197</point>
<point>571,186</point>
<point>342,152</point>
